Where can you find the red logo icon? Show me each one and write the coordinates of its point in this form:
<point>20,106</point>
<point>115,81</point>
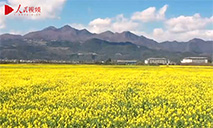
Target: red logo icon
<point>8,9</point>
<point>24,11</point>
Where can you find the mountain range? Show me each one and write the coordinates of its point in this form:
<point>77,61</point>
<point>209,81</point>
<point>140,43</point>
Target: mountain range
<point>67,43</point>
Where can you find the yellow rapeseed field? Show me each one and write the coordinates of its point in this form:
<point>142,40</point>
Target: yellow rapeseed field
<point>105,96</point>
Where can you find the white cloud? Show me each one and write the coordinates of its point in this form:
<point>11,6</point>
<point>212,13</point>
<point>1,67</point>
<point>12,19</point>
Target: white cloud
<point>99,25</point>
<point>158,32</point>
<point>115,24</point>
<point>100,21</point>
<point>184,28</point>
<point>163,35</point>
<point>78,26</point>
<point>2,18</point>
<point>150,14</point>
<point>181,28</point>
<point>161,12</point>
<point>187,23</point>
<point>49,9</point>
<point>123,24</point>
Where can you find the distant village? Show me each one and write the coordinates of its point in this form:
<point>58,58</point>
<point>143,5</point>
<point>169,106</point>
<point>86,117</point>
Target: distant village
<point>148,61</point>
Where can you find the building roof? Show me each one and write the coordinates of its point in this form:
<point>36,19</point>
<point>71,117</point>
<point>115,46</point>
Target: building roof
<point>195,58</point>
<point>156,59</point>
<point>126,60</point>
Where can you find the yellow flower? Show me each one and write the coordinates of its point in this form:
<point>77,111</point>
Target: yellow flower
<point>105,96</point>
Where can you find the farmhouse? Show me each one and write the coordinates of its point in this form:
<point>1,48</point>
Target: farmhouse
<point>195,60</point>
<point>156,61</point>
<point>126,61</point>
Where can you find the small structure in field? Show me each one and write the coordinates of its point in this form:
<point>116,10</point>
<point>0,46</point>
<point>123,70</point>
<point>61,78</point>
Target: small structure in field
<point>195,60</point>
<point>126,61</point>
<point>156,61</point>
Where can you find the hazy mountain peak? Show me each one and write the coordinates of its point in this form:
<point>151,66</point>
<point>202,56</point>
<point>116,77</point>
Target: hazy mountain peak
<point>85,31</point>
<point>196,40</point>
<point>67,33</point>
<point>67,28</point>
<point>10,36</point>
<point>50,28</point>
<point>130,35</point>
<point>127,32</point>
<point>107,32</point>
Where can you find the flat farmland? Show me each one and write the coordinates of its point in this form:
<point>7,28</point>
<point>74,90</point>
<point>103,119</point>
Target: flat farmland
<point>105,96</point>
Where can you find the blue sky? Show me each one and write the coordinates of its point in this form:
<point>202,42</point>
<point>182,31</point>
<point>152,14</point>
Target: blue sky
<point>80,13</point>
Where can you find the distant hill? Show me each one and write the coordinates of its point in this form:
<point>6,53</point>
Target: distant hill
<point>68,43</point>
<point>195,45</point>
<point>65,33</point>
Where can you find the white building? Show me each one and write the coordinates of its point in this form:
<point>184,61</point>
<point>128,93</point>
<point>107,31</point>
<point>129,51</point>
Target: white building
<point>195,60</point>
<point>126,61</point>
<point>156,61</point>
